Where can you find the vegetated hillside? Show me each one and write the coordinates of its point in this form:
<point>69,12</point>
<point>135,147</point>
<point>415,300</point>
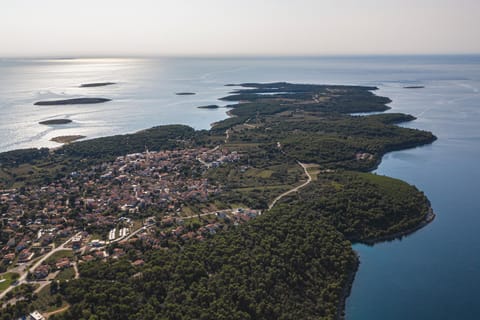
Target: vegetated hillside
<point>285,265</point>
<point>162,137</point>
<point>33,166</point>
<point>364,206</point>
<point>293,262</point>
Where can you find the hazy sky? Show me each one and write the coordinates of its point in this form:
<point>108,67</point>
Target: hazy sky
<point>237,27</point>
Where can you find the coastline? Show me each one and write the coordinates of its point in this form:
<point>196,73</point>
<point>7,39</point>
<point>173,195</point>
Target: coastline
<point>67,139</point>
<point>441,170</point>
<point>429,218</point>
<point>229,115</point>
<point>346,290</point>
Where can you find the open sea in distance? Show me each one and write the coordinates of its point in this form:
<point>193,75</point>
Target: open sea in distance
<point>432,274</point>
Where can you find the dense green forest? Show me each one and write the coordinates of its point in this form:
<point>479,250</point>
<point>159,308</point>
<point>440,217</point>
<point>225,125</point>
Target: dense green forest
<point>294,261</point>
<point>291,263</point>
<point>281,266</point>
<point>163,137</point>
<point>363,206</point>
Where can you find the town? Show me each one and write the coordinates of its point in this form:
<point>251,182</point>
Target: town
<point>137,201</point>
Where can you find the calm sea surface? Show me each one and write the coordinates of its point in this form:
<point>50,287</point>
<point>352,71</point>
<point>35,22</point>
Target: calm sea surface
<point>433,274</point>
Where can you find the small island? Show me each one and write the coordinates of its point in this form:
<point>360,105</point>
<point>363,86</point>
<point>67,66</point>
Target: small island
<point>296,155</point>
<point>55,121</point>
<point>414,87</point>
<point>71,101</point>
<point>96,84</point>
<point>185,93</point>
<point>67,139</point>
<point>210,106</point>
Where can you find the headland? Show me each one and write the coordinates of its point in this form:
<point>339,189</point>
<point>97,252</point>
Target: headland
<point>198,209</point>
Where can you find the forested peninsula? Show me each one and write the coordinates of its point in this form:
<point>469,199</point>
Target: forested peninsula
<point>291,156</point>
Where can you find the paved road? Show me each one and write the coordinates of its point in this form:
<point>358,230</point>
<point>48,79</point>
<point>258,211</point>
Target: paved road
<point>23,274</point>
<point>129,236</point>
<point>294,189</point>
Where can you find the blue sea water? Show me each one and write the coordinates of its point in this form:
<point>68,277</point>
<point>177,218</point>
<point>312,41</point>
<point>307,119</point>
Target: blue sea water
<point>432,274</point>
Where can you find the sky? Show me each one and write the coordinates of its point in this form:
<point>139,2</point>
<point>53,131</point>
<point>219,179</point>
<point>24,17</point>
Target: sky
<point>33,28</point>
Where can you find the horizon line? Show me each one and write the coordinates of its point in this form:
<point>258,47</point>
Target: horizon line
<point>228,56</point>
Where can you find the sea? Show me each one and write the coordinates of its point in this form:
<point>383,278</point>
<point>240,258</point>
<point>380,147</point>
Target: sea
<point>431,274</point>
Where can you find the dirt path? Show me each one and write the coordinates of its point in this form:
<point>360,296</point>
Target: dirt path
<point>75,268</point>
<point>49,314</point>
<point>227,135</point>
<point>294,189</point>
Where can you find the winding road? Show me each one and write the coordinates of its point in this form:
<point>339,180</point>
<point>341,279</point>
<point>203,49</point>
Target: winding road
<point>294,189</point>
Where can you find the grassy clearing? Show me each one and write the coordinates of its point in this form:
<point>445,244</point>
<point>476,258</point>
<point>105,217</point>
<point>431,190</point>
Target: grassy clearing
<point>242,146</point>
<point>60,254</point>
<point>66,274</point>
<point>337,186</point>
<point>7,279</point>
<point>137,224</point>
<point>314,171</point>
<point>187,211</point>
<point>279,187</point>
<point>258,173</point>
<point>97,236</point>
<point>48,302</point>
